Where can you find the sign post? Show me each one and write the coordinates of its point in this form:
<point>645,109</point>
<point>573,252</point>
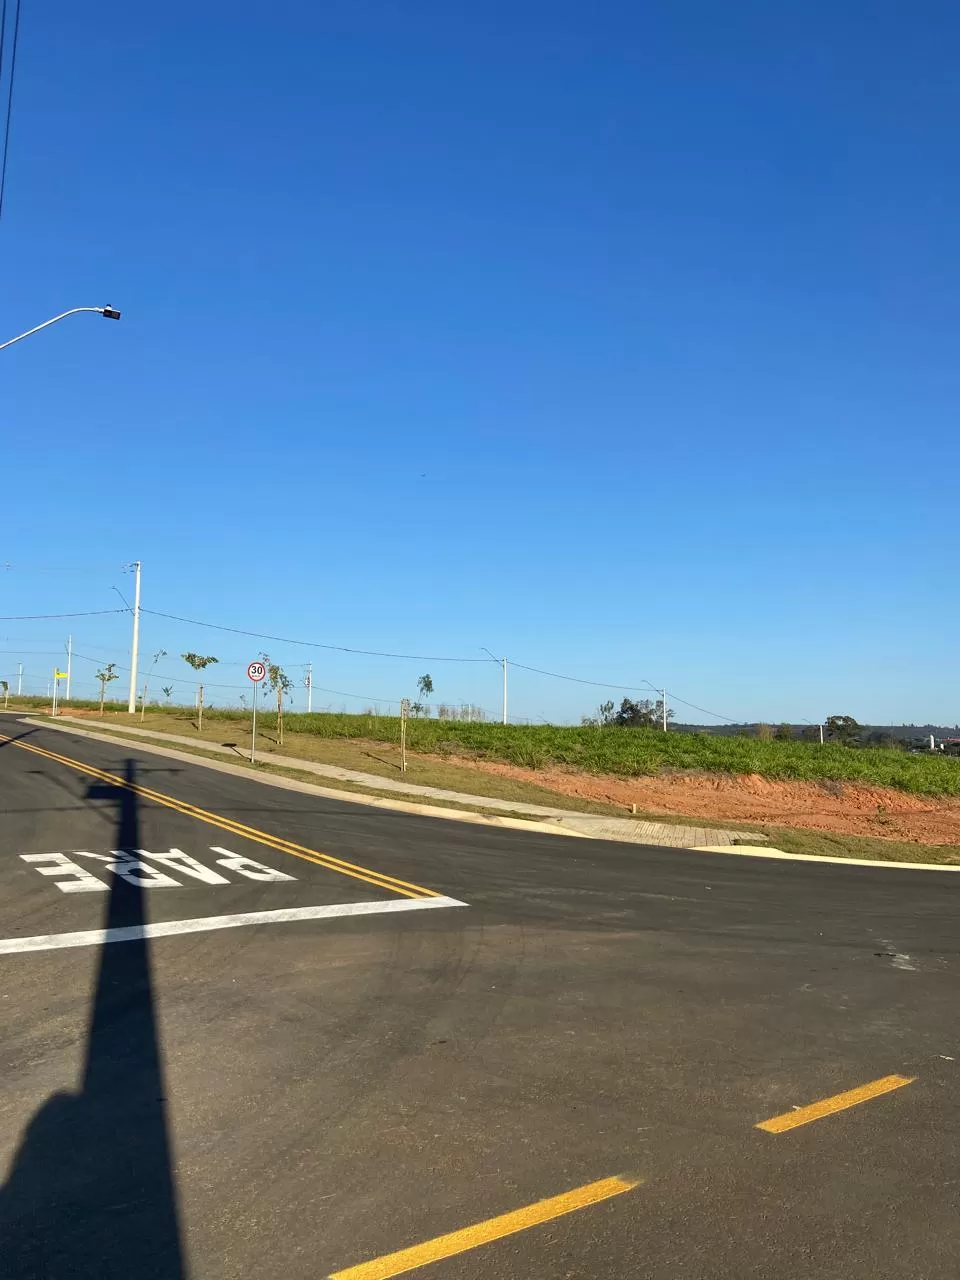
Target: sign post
<point>58,675</point>
<point>255,672</point>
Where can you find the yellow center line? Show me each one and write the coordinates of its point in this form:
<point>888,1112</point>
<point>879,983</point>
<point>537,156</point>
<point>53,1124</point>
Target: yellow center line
<point>829,1106</point>
<point>377,878</point>
<point>419,1255</point>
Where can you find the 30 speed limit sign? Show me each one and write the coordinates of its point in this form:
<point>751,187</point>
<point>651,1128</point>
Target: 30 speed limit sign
<point>257,672</point>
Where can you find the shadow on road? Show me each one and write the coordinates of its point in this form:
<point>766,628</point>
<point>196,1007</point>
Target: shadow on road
<point>91,1190</point>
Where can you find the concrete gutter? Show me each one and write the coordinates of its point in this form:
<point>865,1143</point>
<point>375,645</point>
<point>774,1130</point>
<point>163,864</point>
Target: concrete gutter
<point>580,825</point>
<point>410,795</point>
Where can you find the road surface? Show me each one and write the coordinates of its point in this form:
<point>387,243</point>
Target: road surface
<point>250,1032</point>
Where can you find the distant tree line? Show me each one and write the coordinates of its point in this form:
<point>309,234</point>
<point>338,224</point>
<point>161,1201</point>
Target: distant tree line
<point>845,731</point>
<point>644,714</point>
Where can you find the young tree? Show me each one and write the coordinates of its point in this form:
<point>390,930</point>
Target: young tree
<point>281,684</point>
<point>5,686</point>
<point>105,676</point>
<point>161,653</point>
<point>784,732</point>
<point>199,663</point>
<point>764,732</point>
<point>167,690</point>
<point>425,687</point>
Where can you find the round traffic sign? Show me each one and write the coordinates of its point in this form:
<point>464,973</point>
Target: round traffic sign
<point>256,671</point>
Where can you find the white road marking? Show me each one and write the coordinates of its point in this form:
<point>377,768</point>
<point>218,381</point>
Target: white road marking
<point>247,867</point>
<point>899,959</point>
<point>168,928</point>
<point>177,860</point>
<point>79,879</point>
<point>129,865</point>
<point>133,870</point>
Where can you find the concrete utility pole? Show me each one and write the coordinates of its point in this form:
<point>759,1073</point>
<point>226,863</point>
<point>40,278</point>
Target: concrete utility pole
<point>69,663</point>
<point>135,643</point>
<point>503,664</point>
<point>664,692</point>
<point>19,678</point>
<point>309,684</point>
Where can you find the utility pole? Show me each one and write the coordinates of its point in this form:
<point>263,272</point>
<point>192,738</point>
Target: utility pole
<point>19,678</point>
<point>503,664</point>
<point>309,684</point>
<point>69,663</point>
<point>135,643</point>
<point>820,727</point>
<point>664,692</point>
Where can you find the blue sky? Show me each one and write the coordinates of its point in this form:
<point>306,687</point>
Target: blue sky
<point>620,339</point>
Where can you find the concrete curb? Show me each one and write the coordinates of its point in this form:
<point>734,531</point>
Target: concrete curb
<point>756,851</point>
<point>625,830</point>
<point>553,828</point>
<point>309,788</point>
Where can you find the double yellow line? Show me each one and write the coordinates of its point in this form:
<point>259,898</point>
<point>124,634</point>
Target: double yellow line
<point>376,878</point>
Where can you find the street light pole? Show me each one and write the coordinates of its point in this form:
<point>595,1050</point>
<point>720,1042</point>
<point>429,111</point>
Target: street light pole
<point>110,313</point>
<point>135,643</point>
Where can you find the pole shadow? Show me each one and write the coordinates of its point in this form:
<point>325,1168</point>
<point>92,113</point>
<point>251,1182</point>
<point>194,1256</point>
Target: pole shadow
<point>91,1191</point>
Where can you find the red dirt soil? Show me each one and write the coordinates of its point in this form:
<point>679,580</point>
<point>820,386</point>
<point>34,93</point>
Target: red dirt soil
<point>847,808</point>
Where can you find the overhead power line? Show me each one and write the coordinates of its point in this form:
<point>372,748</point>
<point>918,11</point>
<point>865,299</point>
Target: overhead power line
<point>308,644</point>
<point>643,687</point>
<point>10,78</point>
<point>597,684</point>
<point>716,714</point>
<point>213,684</point>
<point>43,617</point>
<point>625,688</point>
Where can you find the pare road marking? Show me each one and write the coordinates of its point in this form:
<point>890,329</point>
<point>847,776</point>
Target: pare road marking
<point>131,865</point>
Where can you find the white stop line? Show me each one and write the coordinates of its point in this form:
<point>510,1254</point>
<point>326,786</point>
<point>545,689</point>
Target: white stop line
<point>204,924</point>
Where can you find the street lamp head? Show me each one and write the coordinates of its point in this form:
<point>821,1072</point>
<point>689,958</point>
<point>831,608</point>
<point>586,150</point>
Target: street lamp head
<point>111,313</point>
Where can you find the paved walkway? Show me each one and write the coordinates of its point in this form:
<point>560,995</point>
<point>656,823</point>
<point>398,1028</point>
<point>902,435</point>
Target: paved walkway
<point>600,827</point>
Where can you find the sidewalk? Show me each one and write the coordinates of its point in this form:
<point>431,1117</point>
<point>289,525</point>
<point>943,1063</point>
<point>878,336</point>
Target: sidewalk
<point>596,826</point>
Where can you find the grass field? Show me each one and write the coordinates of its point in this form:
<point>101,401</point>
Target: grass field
<point>623,752</point>
<point>339,742</point>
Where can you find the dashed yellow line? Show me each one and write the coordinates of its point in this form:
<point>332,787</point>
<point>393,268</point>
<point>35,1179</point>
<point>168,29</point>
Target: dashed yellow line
<point>420,1255</point>
<point>377,878</point>
<point>830,1106</point>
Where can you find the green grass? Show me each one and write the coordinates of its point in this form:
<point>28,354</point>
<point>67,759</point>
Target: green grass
<point>39,703</point>
<point>383,759</point>
<point>836,845</point>
<point>622,752</point>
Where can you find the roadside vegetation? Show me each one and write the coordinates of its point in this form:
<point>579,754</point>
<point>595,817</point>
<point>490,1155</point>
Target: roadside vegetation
<point>621,751</point>
<point>368,744</point>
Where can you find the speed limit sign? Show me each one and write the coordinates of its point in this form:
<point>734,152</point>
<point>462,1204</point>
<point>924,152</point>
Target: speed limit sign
<point>257,672</point>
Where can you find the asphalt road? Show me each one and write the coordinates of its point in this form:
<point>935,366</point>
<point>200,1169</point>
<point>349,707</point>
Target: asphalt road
<point>297,1094</point>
